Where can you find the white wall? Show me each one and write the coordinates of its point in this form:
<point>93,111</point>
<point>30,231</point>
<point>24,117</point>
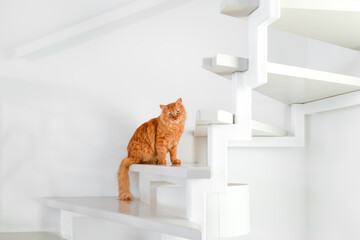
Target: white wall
<point>332,174</point>
<point>306,194</point>
<point>67,113</point>
<point>276,179</point>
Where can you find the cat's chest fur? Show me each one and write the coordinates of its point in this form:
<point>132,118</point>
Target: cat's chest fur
<point>173,141</point>
<point>171,135</point>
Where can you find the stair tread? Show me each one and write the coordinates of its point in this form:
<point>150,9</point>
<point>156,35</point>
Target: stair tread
<point>339,22</point>
<point>134,213</point>
<point>225,65</point>
<point>307,17</point>
<point>292,84</point>
<point>205,117</point>
<point>238,8</point>
<point>258,129</point>
<point>185,170</point>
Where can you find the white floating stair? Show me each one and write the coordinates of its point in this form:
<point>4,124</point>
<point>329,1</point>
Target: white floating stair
<point>150,183</point>
<point>238,8</point>
<point>29,236</point>
<point>224,65</point>
<point>206,117</point>
<point>184,171</point>
<point>135,214</point>
<point>306,17</point>
<point>291,84</point>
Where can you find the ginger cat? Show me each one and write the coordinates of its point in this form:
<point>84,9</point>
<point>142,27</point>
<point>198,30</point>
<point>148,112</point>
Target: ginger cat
<point>151,142</point>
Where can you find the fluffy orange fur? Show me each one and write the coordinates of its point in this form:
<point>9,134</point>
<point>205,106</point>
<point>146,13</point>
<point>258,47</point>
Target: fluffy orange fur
<point>151,142</point>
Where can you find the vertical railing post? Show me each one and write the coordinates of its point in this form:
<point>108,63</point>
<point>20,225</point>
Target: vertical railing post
<point>241,102</point>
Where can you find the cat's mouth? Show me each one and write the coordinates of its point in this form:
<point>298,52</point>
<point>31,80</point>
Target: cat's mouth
<point>175,121</point>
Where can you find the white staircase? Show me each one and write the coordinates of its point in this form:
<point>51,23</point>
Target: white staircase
<point>162,203</point>
<point>175,201</point>
<point>288,84</point>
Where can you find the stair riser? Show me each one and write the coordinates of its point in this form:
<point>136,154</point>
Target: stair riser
<point>172,197</point>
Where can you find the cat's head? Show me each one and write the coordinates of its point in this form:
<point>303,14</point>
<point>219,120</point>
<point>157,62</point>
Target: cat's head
<point>173,112</point>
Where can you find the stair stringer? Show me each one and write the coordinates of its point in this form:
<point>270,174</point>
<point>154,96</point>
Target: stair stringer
<point>219,136</point>
<point>258,22</point>
<point>298,124</point>
<point>297,138</point>
<point>197,189</point>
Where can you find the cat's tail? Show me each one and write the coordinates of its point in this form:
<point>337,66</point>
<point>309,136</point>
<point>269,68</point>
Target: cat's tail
<point>123,179</point>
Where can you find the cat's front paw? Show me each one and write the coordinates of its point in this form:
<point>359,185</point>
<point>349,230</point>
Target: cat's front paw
<point>176,162</point>
<point>126,196</point>
<point>162,162</point>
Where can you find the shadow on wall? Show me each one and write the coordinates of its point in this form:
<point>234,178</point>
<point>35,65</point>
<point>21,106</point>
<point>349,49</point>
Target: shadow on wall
<point>108,28</point>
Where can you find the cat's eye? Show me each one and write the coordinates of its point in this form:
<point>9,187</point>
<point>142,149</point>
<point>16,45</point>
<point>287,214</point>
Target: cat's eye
<point>178,112</point>
<point>170,115</point>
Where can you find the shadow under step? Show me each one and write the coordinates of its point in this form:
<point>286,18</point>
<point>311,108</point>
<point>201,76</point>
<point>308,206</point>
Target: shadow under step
<point>238,8</point>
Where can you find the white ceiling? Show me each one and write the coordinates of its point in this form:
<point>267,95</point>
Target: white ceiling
<point>336,27</point>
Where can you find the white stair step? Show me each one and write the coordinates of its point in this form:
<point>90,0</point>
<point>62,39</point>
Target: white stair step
<point>206,117</point>
<point>214,116</point>
<point>339,21</point>
<point>225,65</point>
<point>291,84</point>
<point>238,8</point>
<point>29,236</point>
<point>336,22</point>
<point>184,171</point>
<point>259,129</point>
<point>135,214</point>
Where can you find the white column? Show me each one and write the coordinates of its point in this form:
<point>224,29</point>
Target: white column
<point>242,102</point>
<point>258,21</point>
<point>196,203</point>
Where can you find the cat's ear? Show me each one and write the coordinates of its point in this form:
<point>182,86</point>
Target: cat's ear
<point>179,102</point>
<point>163,107</point>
